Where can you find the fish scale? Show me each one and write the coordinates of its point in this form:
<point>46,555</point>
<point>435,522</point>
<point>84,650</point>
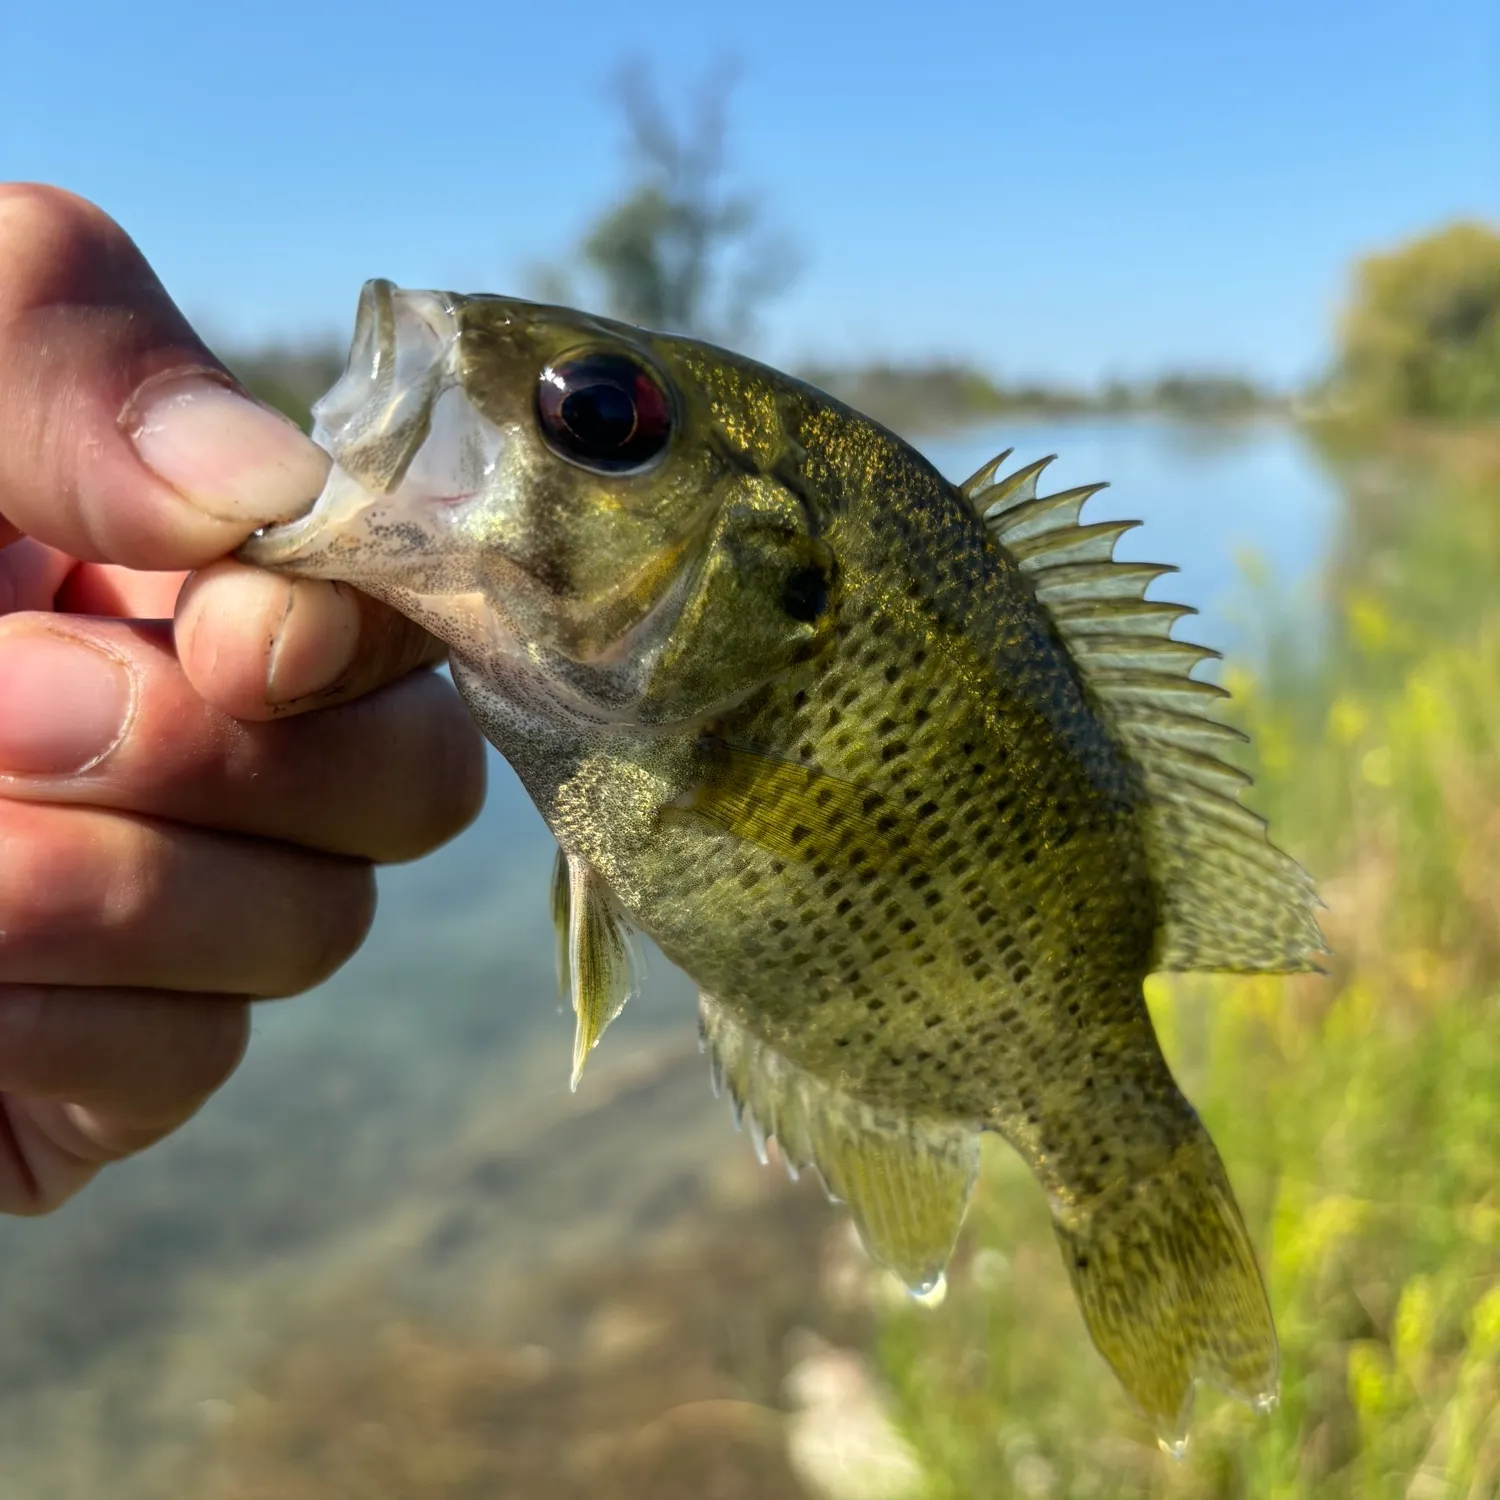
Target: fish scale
<point>910,777</point>
<point>928,930</point>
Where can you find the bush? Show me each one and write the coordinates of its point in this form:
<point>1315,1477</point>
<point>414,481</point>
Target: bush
<point>1421,334</point>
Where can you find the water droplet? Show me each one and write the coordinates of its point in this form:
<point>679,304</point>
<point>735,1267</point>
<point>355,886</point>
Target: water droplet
<point>931,1293</point>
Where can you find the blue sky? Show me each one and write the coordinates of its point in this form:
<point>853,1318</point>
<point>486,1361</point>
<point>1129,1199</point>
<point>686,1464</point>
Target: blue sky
<point>1054,190</point>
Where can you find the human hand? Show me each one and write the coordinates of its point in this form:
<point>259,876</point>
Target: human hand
<point>177,837</point>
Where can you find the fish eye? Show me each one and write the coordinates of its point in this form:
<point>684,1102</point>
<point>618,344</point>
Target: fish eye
<point>606,412</point>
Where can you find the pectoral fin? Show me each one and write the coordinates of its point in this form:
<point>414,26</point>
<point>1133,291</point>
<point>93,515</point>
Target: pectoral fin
<point>561,902</point>
<point>598,959</point>
<point>906,1181</point>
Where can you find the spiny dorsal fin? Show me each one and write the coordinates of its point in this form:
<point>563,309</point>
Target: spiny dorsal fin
<point>599,957</point>
<point>984,473</point>
<point>990,496</point>
<point>906,1181</point>
<point>1026,518</point>
<point>1230,898</point>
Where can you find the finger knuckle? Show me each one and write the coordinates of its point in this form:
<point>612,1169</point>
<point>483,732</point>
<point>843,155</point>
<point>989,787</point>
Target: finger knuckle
<point>48,232</point>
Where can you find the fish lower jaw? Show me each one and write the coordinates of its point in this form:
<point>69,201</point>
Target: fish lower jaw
<point>282,544</point>
<point>342,536</point>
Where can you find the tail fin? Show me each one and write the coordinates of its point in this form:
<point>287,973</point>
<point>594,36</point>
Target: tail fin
<point>1167,1280</point>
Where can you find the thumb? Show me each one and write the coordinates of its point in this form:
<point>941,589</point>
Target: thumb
<point>122,438</point>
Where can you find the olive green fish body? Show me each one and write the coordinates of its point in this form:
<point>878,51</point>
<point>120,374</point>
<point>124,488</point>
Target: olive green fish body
<point>934,955</point>
<point>911,778</point>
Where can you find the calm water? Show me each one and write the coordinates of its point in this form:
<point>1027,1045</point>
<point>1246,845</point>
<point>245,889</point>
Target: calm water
<point>405,1138</point>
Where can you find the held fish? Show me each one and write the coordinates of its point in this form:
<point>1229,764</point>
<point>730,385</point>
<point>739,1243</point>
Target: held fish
<point>911,778</point>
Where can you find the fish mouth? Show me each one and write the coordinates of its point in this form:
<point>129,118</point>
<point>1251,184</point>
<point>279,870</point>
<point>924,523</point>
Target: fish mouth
<point>374,420</point>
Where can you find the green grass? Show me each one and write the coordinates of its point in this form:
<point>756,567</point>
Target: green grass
<point>1359,1114</point>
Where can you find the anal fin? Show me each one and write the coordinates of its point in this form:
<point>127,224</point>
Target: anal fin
<point>598,960</point>
<point>1169,1287</point>
<point>906,1181</point>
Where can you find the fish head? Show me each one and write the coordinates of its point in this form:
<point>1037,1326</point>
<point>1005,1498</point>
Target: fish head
<point>555,492</point>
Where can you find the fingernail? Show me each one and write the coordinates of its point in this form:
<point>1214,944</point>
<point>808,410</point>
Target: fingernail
<point>314,642</point>
<point>230,457</point>
<point>64,704</point>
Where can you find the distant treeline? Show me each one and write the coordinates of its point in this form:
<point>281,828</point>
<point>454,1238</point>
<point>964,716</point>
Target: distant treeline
<point>933,396</point>
<point>919,398</point>
<point>1419,341</point>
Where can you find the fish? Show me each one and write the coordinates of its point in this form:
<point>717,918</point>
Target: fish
<point>910,777</point>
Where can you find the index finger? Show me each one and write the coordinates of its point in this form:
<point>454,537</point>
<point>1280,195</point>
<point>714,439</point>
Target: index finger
<point>122,438</point>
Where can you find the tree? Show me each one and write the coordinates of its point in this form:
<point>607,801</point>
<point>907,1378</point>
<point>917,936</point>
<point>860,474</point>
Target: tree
<point>1421,334</point>
<point>680,252</point>
<point>289,378</point>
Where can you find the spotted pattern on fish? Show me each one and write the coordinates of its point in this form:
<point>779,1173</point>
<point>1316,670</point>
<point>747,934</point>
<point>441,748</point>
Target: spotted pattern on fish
<point>910,777</point>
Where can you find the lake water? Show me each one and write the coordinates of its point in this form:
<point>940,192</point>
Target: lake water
<point>401,1151</point>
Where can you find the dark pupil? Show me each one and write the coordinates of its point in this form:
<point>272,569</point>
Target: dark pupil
<point>805,596</point>
<point>606,412</point>
<point>602,417</point>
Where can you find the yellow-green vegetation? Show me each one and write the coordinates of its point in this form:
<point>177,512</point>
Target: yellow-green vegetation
<point>1359,1114</point>
<point>1421,334</point>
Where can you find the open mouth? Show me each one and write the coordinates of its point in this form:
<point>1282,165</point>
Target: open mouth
<point>375,419</point>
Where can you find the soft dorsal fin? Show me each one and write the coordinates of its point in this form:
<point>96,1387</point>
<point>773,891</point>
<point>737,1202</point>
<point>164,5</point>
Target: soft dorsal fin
<point>599,960</point>
<point>1230,898</point>
<point>906,1181</point>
